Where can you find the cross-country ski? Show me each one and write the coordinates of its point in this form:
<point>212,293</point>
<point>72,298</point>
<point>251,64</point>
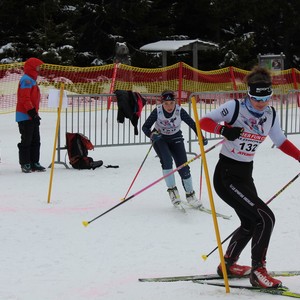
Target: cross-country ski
<point>207,210</point>
<point>211,277</point>
<point>281,291</point>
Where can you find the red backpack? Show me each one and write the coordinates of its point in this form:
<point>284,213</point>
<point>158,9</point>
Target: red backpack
<point>78,146</point>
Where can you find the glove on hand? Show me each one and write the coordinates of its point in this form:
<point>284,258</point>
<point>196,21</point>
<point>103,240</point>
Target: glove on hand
<point>155,136</point>
<point>34,116</point>
<point>231,133</point>
<point>205,141</point>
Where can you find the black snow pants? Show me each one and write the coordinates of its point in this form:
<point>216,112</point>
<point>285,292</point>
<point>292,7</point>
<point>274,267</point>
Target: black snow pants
<point>234,184</point>
<point>29,147</point>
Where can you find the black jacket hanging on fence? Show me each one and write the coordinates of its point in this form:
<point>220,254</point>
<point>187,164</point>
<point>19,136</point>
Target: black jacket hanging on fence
<point>130,106</point>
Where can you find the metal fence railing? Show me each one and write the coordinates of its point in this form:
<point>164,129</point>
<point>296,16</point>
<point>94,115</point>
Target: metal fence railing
<point>95,116</point>
<point>292,118</point>
<point>89,115</point>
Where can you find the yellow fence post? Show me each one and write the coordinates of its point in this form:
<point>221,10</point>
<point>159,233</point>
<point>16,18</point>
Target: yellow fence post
<point>61,94</point>
<point>212,205</point>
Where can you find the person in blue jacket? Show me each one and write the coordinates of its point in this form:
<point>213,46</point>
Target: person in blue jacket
<point>168,143</point>
<point>27,109</point>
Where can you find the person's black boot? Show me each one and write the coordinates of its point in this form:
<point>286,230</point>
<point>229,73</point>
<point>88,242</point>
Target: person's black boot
<point>96,164</point>
<point>36,167</point>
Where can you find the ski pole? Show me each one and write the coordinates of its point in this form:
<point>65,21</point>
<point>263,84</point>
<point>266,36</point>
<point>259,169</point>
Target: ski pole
<point>201,177</point>
<point>137,173</point>
<point>86,223</point>
<point>205,256</point>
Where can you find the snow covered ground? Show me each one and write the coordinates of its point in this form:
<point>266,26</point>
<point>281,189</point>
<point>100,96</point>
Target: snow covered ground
<point>47,254</point>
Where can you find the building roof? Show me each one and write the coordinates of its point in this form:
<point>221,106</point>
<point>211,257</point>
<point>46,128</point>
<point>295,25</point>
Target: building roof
<point>178,45</point>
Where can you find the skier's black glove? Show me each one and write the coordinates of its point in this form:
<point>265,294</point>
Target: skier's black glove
<point>34,116</point>
<point>231,133</point>
<point>155,136</point>
<point>204,140</point>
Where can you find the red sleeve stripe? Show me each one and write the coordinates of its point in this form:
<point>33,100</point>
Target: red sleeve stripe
<point>290,149</point>
<point>210,125</point>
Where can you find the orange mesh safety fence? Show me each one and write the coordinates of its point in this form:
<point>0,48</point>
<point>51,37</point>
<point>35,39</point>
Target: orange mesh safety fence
<point>105,79</point>
<point>147,80</point>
